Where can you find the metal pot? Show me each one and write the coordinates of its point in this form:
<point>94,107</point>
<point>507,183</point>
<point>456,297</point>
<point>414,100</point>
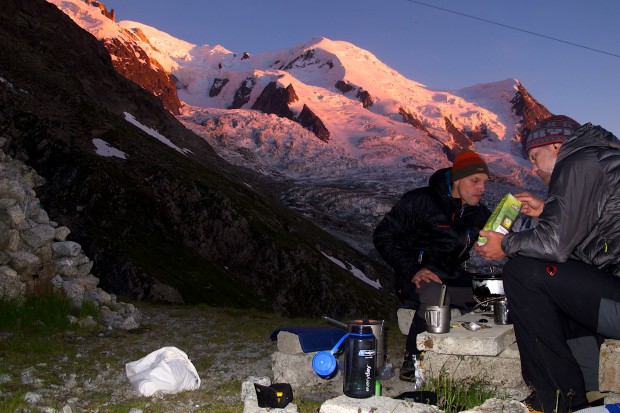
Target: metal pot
<point>487,286</point>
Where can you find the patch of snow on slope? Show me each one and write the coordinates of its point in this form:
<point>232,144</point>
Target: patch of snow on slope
<point>105,149</point>
<point>359,274</point>
<point>131,119</point>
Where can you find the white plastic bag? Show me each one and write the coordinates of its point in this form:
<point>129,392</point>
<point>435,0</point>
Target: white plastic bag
<point>167,370</point>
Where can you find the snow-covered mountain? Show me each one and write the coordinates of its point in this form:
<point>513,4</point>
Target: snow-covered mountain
<point>347,133</point>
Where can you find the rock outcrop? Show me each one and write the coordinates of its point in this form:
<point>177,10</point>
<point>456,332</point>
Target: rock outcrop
<point>275,99</point>
<point>242,94</point>
<point>310,121</point>
<point>134,63</point>
<point>217,86</point>
<point>460,141</point>
<point>526,106</point>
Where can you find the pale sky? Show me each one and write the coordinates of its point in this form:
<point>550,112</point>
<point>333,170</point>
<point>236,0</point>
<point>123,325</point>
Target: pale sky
<point>439,48</point>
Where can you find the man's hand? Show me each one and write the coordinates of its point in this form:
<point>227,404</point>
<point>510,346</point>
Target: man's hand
<point>425,275</point>
<point>492,249</point>
<point>530,205</point>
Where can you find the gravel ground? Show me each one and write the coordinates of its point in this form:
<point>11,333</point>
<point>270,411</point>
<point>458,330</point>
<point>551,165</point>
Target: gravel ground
<point>83,370</point>
<point>88,373</point>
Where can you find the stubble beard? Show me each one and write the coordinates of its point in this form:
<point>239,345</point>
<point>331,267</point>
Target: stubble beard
<point>545,177</point>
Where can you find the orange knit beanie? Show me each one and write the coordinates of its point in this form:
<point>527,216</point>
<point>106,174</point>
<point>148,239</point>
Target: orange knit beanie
<point>468,163</point>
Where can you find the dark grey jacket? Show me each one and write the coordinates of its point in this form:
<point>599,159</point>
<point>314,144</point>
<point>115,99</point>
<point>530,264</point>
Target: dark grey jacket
<point>581,216</point>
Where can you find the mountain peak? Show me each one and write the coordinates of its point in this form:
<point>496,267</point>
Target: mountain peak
<point>368,113</point>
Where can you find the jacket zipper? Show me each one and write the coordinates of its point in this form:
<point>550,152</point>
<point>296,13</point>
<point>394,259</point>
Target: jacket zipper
<point>467,241</point>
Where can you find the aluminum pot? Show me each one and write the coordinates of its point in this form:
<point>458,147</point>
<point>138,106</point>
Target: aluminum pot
<point>487,286</point>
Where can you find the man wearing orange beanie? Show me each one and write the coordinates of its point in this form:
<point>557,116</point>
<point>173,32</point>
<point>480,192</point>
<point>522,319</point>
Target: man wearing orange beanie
<point>426,238</point>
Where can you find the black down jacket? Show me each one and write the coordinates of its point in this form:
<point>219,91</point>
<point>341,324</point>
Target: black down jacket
<point>427,228</point>
<point>581,216</point>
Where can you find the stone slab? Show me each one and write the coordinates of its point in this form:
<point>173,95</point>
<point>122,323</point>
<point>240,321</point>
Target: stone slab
<point>296,370</point>
<point>612,398</point>
<point>289,343</point>
<point>502,371</point>
<point>609,366</point>
<point>490,340</point>
<point>375,404</point>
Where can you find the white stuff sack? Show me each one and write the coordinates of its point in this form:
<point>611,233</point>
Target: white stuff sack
<point>167,370</point>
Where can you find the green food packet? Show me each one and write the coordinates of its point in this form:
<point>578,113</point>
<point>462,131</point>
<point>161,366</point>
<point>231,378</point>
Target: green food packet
<point>503,216</point>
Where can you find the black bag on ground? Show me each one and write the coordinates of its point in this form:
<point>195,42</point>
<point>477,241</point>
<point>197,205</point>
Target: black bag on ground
<point>276,395</point>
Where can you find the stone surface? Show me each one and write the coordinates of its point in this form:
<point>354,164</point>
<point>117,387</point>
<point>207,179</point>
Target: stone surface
<point>609,369</point>
<point>490,340</point>
<point>503,372</point>
<point>380,404</point>
<point>296,369</point>
<point>499,405</point>
<point>289,343</point>
<point>65,248</point>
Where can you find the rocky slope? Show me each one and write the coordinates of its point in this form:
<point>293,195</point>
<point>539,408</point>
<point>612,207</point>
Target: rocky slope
<point>183,218</point>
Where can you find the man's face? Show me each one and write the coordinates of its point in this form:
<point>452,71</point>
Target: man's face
<point>470,189</point>
<point>543,161</point>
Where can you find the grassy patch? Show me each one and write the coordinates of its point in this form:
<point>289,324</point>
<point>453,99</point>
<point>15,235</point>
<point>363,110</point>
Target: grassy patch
<point>12,402</point>
<point>43,312</point>
<point>458,395</point>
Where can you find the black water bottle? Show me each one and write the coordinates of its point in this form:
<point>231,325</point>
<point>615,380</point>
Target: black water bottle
<point>360,356</point>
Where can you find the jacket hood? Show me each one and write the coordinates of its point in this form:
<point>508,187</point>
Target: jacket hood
<point>588,136</point>
<point>440,182</point>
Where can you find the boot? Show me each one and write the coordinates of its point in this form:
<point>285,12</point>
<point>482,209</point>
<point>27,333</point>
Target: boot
<point>412,368</point>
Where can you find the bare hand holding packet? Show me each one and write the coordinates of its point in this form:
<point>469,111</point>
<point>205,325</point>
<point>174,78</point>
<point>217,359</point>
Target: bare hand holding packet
<point>503,216</point>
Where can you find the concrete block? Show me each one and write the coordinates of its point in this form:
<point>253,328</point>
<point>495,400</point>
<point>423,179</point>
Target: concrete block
<point>609,366</point>
<point>289,343</point>
<point>490,340</point>
<point>501,372</point>
<point>380,404</point>
<point>511,352</point>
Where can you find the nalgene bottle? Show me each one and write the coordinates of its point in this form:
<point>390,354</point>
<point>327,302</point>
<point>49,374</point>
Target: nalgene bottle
<point>360,354</point>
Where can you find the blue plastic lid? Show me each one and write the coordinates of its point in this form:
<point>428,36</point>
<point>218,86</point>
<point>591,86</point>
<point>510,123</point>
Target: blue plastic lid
<point>324,363</point>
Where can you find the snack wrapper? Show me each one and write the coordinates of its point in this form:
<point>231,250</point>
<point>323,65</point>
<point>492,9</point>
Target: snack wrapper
<point>503,216</point>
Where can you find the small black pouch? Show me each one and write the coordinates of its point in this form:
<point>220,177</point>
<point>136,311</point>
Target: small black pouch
<point>276,395</point>
<point>420,396</point>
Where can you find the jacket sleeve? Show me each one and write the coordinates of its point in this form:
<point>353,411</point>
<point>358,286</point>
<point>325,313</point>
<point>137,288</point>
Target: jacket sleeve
<point>391,235</point>
<point>576,199</point>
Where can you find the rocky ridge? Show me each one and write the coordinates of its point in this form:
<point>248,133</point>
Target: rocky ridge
<point>35,253</point>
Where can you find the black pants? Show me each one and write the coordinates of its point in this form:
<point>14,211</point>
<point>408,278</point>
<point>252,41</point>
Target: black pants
<point>551,304</point>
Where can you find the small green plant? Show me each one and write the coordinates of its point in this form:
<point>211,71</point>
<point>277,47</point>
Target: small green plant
<point>458,395</point>
<point>89,308</point>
